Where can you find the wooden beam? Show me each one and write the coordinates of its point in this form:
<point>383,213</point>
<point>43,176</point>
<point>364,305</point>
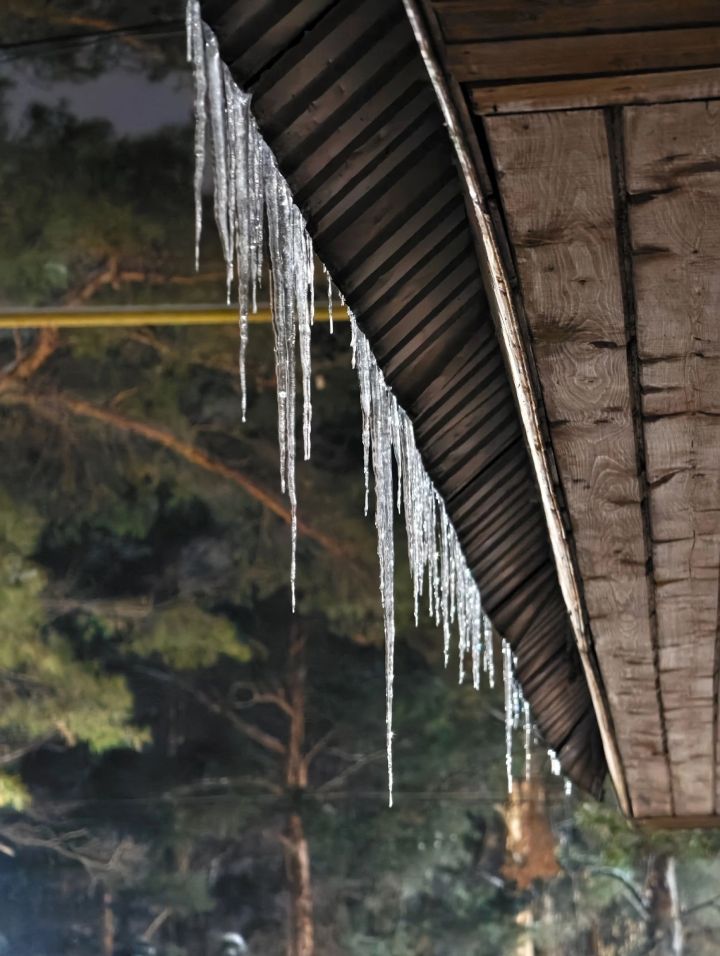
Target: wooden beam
<point>638,51</point>
<point>463,20</point>
<point>559,202</point>
<point>590,92</point>
<point>704,822</point>
<point>513,343</point>
<point>673,181</point>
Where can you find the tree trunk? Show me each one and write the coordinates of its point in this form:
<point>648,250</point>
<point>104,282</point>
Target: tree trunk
<point>530,842</point>
<point>525,945</point>
<point>301,936</point>
<point>108,923</point>
<point>665,931</point>
<point>301,940</point>
<point>296,767</point>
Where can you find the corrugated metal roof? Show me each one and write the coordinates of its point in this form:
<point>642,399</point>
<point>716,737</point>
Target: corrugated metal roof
<point>341,95</point>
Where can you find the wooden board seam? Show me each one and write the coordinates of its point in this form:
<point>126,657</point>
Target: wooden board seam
<point>616,152</point>
<point>500,299</point>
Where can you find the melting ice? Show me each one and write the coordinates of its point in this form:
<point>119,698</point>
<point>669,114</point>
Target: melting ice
<point>250,191</point>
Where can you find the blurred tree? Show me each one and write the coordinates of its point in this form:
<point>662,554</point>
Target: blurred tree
<point>89,215</point>
<point>48,691</point>
<point>76,39</point>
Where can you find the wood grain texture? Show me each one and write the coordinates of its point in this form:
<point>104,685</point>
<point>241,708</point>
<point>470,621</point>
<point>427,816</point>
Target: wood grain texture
<point>593,91</point>
<point>584,55</point>
<point>499,19</point>
<point>673,177</point>
<point>555,180</point>
<point>710,822</point>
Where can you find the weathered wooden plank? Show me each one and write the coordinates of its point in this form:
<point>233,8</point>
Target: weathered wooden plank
<point>588,92</point>
<point>567,234</point>
<point>673,181</point>
<point>589,378</point>
<point>669,385</point>
<point>556,185</point>
<point>584,55</point>
<point>497,19</point>
<point>710,822</point>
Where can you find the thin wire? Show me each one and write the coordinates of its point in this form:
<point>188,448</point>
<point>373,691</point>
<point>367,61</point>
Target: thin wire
<point>158,30</point>
<point>551,800</point>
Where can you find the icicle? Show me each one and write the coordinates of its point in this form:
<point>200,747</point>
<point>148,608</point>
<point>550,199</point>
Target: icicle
<point>528,739</point>
<point>488,658</point>
<point>249,189</point>
<point>445,572</point>
<point>256,197</point>
<point>304,273</point>
<point>196,56</point>
<point>246,201</point>
<point>517,698</point>
<point>247,184</point>
<point>329,299</point>
<point>363,369</point>
<point>216,97</point>
<point>381,401</point>
<point>283,242</point>
<point>508,684</point>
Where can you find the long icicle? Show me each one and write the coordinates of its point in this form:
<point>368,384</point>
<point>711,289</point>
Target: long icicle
<point>249,189</point>
<point>196,56</point>
<point>508,689</point>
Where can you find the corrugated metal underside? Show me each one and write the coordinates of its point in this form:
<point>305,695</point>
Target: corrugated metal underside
<point>342,97</point>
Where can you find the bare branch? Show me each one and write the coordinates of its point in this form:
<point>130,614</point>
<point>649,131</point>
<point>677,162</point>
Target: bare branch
<point>192,454</point>
<point>157,922</point>
<point>275,698</point>
<point>227,782</point>
<point>13,755</point>
<point>251,731</point>
<point>316,748</point>
<point>348,772</point>
<point>20,371</point>
<point>121,609</point>
<point>712,902</point>
<point>632,894</point>
<point>75,845</point>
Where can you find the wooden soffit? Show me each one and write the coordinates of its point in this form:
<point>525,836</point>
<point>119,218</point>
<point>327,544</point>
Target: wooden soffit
<point>599,124</point>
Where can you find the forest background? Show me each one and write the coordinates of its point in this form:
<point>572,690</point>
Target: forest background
<point>185,766</point>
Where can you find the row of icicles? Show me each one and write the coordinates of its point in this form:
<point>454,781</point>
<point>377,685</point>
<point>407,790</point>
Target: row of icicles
<point>249,191</point>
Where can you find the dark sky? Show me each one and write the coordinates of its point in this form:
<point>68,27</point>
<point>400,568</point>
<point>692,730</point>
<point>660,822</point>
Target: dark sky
<point>125,94</point>
<point>128,99</point>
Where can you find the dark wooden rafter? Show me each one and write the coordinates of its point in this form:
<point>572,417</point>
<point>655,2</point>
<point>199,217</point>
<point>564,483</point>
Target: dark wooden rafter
<point>342,96</point>
<point>547,55</point>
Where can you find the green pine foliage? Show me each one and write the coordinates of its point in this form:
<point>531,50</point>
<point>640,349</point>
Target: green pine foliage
<point>185,637</point>
<point>47,690</point>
